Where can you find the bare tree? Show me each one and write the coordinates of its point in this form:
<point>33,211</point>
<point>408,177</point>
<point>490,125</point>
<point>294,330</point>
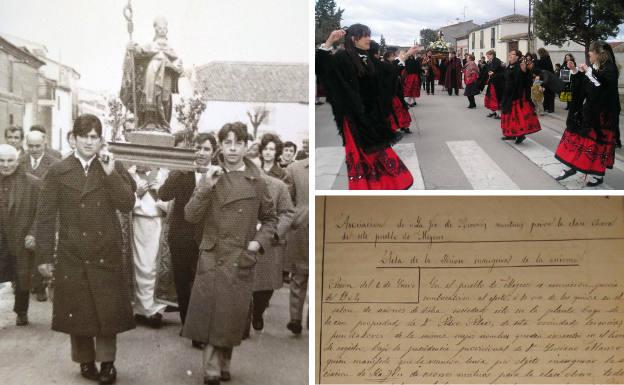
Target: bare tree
<point>256,117</point>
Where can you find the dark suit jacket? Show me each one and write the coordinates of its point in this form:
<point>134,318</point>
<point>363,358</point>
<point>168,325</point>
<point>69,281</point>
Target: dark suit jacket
<point>44,165</point>
<point>20,223</point>
<point>179,186</point>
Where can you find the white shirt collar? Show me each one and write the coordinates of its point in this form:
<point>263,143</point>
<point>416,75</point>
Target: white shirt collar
<point>83,162</point>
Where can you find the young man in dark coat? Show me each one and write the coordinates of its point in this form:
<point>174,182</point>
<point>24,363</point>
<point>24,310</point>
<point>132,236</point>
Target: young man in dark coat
<point>19,192</point>
<point>231,199</point>
<point>91,301</point>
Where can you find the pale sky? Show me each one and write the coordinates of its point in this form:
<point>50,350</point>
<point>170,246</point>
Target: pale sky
<point>91,35</point>
<point>401,21</point>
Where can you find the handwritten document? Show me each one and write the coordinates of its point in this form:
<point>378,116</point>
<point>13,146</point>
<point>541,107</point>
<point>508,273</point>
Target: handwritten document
<point>470,289</point>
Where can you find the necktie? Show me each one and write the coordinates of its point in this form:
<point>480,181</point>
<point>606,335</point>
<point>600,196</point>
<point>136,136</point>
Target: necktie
<point>86,169</point>
<point>35,164</point>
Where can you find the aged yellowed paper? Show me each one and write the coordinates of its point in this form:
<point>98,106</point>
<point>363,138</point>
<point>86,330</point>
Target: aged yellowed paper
<point>470,290</point>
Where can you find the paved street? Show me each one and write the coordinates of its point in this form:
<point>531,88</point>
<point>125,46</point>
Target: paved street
<point>453,147</point>
<point>35,355</point>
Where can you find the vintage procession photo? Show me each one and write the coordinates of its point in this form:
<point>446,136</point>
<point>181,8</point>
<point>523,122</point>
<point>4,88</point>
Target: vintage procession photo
<point>154,192</point>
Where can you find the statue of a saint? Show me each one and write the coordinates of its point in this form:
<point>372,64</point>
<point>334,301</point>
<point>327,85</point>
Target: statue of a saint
<point>157,69</point>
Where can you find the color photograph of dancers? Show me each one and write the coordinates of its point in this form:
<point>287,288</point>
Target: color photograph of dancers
<point>538,107</point>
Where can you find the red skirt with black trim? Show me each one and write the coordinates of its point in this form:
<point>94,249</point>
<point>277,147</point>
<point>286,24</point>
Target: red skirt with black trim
<point>403,118</point>
<point>411,86</point>
<point>491,101</point>
<point>379,170</point>
<point>585,154</point>
<point>522,120</point>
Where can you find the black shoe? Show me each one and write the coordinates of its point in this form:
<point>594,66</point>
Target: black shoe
<point>225,375</point>
<point>257,322</point>
<point>491,114</point>
<point>21,319</point>
<point>508,138</point>
<point>471,107</point>
<point>295,327</point>
<point>566,174</point>
<point>89,371</point>
<point>41,296</point>
<point>198,345</point>
<point>406,130</point>
<point>209,380</point>
<point>595,182</point>
<point>286,277</point>
<point>140,319</point>
<point>155,321</point>
<point>108,373</point>
<point>520,139</point>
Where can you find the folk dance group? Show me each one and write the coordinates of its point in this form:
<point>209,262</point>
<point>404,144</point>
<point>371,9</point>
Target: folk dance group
<point>231,225</point>
<point>370,100</point>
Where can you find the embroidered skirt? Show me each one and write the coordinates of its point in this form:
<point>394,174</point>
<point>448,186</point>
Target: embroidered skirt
<point>400,118</point>
<point>522,119</point>
<point>491,101</point>
<point>411,86</point>
<point>378,170</point>
<point>585,154</point>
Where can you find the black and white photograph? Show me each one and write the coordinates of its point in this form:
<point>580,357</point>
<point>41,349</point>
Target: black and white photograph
<point>154,192</point>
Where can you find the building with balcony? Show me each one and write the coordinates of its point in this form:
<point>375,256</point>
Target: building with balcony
<point>511,32</point>
<point>57,104</point>
<point>19,86</point>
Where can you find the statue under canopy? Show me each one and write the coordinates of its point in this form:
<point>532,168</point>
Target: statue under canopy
<point>156,72</point>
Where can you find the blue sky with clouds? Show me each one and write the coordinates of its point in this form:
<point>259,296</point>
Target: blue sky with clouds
<point>401,21</point>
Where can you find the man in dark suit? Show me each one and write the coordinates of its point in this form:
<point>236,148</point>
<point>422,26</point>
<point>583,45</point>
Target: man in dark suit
<point>92,300</point>
<point>14,136</point>
<point>18,206</point>
<point>304,152</point>
<point>38,158</point>
<point>37,162</point>
<point>184,237</point>
<point>49,149</point>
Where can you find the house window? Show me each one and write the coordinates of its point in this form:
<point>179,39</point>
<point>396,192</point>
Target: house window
<point>493,39</point>
<point>11,120</point>
<point>473,39</point>
<point>481,39</point>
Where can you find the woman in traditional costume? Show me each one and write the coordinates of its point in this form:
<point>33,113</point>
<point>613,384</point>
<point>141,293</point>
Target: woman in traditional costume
<point>589,140</point>
<point>495,84</point>
<point>518,118</point>
<point>353,85</point>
